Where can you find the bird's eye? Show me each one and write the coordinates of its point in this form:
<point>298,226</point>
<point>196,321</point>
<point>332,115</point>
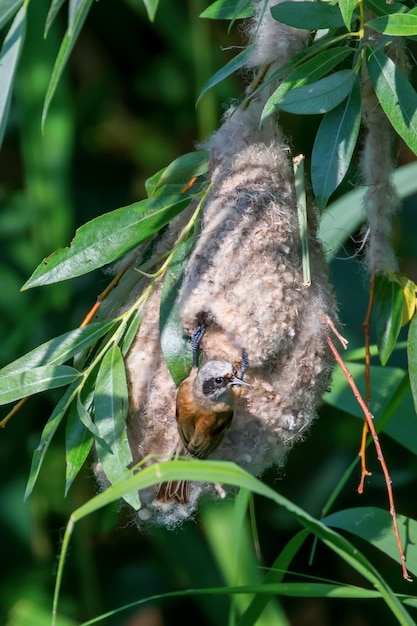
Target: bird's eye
<point>219,380</point>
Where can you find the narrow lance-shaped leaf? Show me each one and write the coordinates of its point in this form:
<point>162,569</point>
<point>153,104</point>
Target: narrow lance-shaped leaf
<point>7,9</point>
<point>311,15</point>
<point>111,406</point>
<point>231,474</point>
<point>175,347</point>
<point>176,175</point>
<point>412,358</point>
<point>389,296</point>
<point>21,384</point>
<point>396,96</point>
<point>319,97</point>
<point>47,435</point>
<point>78,443</point>
<point>58,350</point>
<point>9,57</point>
<point>334,146</point>
<point>226,10</point>
<point>151,8</point>
<point>231,67</point>
<point>52,13</point>
<point>308,72</point>
<point>346,8</point>
<point>106,238</point>
<point>77,20</point>
<point>403,24</point>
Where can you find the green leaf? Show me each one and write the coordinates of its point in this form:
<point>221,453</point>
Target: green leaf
<point>7,9</point>
<point>226,10</point>
<point>396,96</point>
<point>382,7</point>
<point>308,72</point>
<point>9,57</point>
<point>78,443</point>
<point>175,347</point>
<point>60,349</point>
<point>313,15</point>
<point>334,146</point>
<point>319,97</point>
<point>412,358</point>
<point>111,406</point>
<point>106,238</point>
<point>78,13</point>
<point>374,525</point>
<point>403,24</point>
<point>177,174</point>
<point>132,328</point>
<point>346,8</point>
<point>389,297</point>
<point>151,8</point>
<point>231,67</point>
<point>21,384</point>
<point>275,575</point>
<point>52,13</point>
<point>47,435</point>
<point>230,474</point>
<point>345,215</point>
<point>384,384</point>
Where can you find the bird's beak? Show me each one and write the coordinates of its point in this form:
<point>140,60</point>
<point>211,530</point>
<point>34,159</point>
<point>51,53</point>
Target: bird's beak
<point>239,382</point>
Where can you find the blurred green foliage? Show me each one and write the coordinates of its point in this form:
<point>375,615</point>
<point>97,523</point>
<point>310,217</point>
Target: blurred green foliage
<point>123,110</point>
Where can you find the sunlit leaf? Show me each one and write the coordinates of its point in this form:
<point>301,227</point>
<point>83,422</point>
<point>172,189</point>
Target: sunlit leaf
<point>396,96</point>
<point>151,7</point>
<point>346,8</point>
<point>47,435</point>
<point>403,24</point>
<point>7,9</point>
<point>412,358</point>
<point>389,297</point>
<point>106,238</point>
<point>111,406</point>
<point>334,146</point>
<point>9,57</point>
<point>58,350</point>
<point>21,384</point>
<point>319,97</point>
<point>311,15</point>
<point>409,289</point>
<point>78,13</point>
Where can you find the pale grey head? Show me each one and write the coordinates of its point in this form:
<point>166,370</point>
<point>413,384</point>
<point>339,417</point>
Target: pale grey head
<point>216,379</point>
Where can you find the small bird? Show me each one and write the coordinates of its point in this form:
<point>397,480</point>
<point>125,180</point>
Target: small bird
<point>205,404</point>
<point>204,411</point>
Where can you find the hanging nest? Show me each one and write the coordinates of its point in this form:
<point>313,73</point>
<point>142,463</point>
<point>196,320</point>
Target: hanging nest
<point>244,281</point>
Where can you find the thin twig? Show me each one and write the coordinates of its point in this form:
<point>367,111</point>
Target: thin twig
<point>14,410</point>
<point>370,424</point>
<point>366,326</point>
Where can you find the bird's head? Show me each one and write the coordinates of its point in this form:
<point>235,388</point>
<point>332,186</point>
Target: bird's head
<point>215,381</point>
